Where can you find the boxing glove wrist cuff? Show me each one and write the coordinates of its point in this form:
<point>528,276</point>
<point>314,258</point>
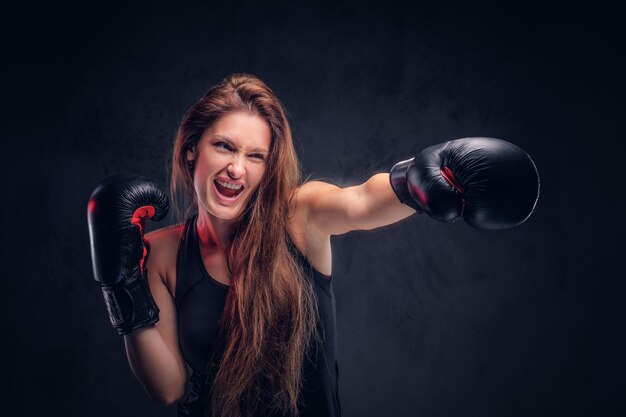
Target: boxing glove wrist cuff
<point>397,178</point>
<point>130,305</point>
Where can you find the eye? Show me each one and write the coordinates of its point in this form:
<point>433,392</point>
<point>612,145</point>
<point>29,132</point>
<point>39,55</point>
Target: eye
<point>223,145</point>
<point>259,156</point>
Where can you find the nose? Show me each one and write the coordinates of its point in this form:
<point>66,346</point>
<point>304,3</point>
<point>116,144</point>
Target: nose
<point>237,167</point>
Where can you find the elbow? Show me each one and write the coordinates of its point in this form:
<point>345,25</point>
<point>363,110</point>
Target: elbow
<point>167,399</point>
<point>171,400</point>
<point>167,396</point>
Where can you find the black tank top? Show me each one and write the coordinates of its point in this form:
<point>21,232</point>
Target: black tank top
<point>200,300</point>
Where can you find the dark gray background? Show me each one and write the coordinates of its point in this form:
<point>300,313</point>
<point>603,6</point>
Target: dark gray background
<point>433,319</point>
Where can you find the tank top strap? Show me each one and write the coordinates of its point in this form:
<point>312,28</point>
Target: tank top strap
<point>186,260</point>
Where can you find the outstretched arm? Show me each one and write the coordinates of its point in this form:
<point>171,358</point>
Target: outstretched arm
<point>491,183</point>
<point>335,211</point>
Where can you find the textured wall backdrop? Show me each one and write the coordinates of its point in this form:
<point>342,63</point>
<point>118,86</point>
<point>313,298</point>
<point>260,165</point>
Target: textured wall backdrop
<point>433,319</point>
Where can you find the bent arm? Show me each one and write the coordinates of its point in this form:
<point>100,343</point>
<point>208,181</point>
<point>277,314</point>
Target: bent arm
<point>335,211</point>
<point>154,353</point>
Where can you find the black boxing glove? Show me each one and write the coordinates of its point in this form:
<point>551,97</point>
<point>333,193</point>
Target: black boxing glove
<point>116,215</point>
<point>492,183</point>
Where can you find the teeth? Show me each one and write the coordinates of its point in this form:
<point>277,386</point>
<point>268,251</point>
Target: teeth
<point>229,185</point>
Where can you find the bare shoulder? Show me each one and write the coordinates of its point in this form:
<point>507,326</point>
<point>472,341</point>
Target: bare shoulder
<point>163,252</point>
<point>307,197</point>
<point>304,198</point>
<point>309,192</point>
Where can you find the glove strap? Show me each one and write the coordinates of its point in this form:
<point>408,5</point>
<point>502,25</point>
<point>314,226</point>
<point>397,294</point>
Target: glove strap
<point>397,178</point>
<point>130,305</point>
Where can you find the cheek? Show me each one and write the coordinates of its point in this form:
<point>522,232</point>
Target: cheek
<point>258,174</point>
<point>199,183</point>
<point>201,177</point>
<point>206,165</point>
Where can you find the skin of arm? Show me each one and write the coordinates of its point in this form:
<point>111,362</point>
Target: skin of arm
<point>153,353</point>
<point>335,211</point>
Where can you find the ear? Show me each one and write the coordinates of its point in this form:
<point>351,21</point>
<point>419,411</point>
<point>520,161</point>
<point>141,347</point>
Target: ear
<point>191,154</point>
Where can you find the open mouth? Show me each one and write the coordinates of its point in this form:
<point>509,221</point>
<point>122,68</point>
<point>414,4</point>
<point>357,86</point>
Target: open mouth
<point>228,189</point>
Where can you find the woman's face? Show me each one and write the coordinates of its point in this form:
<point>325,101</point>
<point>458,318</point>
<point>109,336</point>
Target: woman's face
<point>230,160</point>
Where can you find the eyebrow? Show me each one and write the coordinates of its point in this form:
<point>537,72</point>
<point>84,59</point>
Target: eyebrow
<point>231,142</point>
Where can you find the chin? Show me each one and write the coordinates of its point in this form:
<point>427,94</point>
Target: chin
<point>224,214</point>
<point>219,211</point>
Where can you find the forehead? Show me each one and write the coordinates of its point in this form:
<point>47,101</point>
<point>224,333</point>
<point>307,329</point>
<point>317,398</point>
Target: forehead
<point>245,130</point>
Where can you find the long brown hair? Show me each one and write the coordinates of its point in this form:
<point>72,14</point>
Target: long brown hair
<point>269,319</point>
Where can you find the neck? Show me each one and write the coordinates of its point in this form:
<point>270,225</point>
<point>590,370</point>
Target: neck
<point>214,233</point>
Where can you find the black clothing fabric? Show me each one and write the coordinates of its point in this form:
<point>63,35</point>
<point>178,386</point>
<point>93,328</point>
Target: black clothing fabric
<point>200,300</point>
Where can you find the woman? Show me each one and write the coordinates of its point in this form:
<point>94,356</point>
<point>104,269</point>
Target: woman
<point>242,317</point>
